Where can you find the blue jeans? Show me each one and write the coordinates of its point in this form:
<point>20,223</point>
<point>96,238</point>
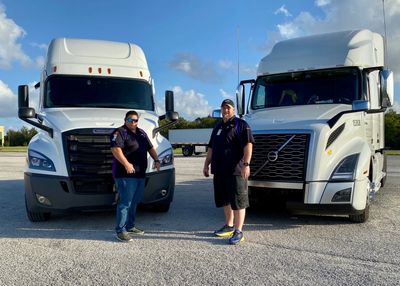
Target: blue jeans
<point>130,191</point>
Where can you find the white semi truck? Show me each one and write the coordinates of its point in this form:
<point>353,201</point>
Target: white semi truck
<point>316,110</point>
<point>86,88</point>
<point>192,141</point>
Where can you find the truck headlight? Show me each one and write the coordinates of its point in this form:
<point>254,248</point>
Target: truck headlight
<point>346,169</point>
<point>40,161</point>
<point>166,158</point>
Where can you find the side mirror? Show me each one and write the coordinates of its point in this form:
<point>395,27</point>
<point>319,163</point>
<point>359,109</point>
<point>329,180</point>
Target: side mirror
<point>216,113</point>
<point>240,99</point>
<point>23,96</point>
<point>387,87</point>
<point>170,114</point>
<point>241,95</point>
<point>360,105</point>
<point>26,112</point>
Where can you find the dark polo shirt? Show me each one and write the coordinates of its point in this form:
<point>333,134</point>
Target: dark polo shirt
<point>227,142</point>
<point>135,147</point>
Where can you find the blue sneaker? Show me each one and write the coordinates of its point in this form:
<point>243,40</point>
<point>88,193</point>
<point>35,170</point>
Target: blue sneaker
<point>237,237</point>
<point>225,231</point>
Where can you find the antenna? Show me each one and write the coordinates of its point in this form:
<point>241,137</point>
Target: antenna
<point>237,38</point>
<point>384,27</point>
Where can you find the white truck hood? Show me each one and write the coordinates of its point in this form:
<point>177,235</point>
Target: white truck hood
<point>293,117</point>
<point>73,118</point>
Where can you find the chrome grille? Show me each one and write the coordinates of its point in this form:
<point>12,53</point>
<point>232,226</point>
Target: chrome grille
<point>89,160</point>
<point>291,163</point>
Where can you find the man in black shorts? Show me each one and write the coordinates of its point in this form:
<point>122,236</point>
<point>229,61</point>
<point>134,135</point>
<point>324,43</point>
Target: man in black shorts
<point>229,152</point>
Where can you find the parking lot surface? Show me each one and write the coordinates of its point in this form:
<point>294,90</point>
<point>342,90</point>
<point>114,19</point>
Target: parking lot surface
<point>178,247</point>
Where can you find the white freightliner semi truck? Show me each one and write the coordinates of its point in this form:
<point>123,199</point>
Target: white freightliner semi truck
<point>86,88</point>
<point>316,110</point>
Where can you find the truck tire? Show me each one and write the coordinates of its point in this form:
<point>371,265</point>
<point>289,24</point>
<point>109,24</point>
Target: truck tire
<point>161,208</point>
<point>187,151</point>
<point>384,169</point>
<point>362,217</point>
<point>36,216</point>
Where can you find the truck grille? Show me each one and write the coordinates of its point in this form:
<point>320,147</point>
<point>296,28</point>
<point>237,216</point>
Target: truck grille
<point>89,159</point>
<point>291,161</point>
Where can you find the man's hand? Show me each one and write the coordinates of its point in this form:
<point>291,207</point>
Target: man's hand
<point>129,168</point>
<point>157,165</point>
<point>206,173</point>
<point>245,172</point>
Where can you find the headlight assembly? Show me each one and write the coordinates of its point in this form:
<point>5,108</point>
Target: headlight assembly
<point>166,158</point>
<point>39,161</point>
<point>346,169</point>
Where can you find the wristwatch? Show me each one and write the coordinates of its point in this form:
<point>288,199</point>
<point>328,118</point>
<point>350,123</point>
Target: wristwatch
<point>246,164</point>
<point>157,161</point>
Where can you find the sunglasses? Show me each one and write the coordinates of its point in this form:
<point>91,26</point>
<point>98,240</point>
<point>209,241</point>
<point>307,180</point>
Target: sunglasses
<point>130,120</point>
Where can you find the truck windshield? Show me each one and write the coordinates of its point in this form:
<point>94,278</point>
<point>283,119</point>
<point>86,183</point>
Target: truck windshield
<point>341,85</point>
<point>102,92</point>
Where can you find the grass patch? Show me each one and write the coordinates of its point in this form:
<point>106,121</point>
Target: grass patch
<point>14,149</point>
<point>392,152</point>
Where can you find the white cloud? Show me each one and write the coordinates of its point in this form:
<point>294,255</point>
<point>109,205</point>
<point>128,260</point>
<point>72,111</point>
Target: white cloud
<point>396,107</point>
<point>225,64</point>
<point>284,11</point>
<point>188,103</point>
<point>225,94</point>
<point>39,62</point>
<point>10,50</point>
<point>196,68</point>
<point>339,15</point>
<point>9,100</point>
<point>43,47</point>
<point>8,106</point>
<point>321,3</point>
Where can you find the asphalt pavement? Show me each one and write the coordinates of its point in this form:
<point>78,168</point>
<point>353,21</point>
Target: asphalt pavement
<point>178,247</point>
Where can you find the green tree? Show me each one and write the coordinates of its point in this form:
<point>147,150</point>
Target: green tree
<point>203,122</point>
<point>392,130</point>
<point>20,137</point>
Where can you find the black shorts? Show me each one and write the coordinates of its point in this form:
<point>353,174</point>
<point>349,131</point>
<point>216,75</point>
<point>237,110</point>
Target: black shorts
<point>230,190</point>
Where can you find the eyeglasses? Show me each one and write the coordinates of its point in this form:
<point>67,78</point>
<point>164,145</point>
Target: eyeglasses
<point>130,120</point>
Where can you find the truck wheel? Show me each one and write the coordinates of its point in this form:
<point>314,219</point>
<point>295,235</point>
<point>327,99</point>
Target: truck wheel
<point>161,208</point>
<point>36,216</point>
<point>187,151</point>
<point>384,169</point>
<point>362,217</point>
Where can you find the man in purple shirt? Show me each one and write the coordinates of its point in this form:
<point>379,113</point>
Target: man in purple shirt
<point>129,145</point>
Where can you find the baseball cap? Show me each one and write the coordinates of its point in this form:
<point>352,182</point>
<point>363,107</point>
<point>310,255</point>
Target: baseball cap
<point>227,101</point>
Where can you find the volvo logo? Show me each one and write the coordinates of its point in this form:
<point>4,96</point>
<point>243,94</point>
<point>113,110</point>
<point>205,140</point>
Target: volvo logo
<point>272,156</point>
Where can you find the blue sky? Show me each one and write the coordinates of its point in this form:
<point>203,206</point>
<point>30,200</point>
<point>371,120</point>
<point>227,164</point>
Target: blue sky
<point>192,47</point>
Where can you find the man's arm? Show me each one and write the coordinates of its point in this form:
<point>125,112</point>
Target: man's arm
<point>248,151</point>
<point>119,155</point>
<point>207,162</point>
<point>154,155</point>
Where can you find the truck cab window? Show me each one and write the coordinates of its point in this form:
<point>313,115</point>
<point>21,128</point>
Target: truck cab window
<point>99,92</point>
<point>332,86</point>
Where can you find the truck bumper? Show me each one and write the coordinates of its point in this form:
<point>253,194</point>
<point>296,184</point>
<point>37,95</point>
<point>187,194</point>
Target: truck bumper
<point>341,198</point>
<point>61,196</point>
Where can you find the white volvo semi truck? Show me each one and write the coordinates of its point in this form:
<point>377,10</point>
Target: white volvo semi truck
<point>316,110</point>
<point>86,88</point>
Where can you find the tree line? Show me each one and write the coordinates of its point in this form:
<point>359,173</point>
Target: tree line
<point>392,130</point>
